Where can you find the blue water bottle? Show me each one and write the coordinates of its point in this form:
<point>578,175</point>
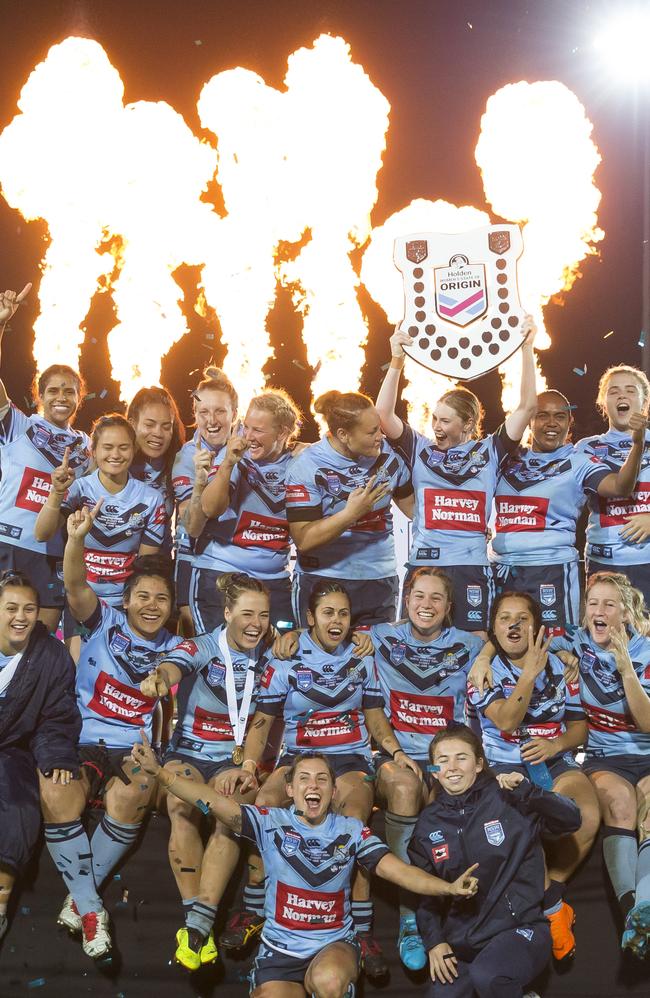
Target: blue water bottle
<point>539,774</point>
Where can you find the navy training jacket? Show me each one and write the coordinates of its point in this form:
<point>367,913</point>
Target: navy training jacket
<point>500,830</point>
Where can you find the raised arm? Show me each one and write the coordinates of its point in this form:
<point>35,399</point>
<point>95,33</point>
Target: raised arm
<point>310,534</point>
<point>623,481</point>
<point>637,699</point>
<point>81,598</point>
<point>391,424</point>
<point>519,419</point>
<point>49,519</point>
<point>216,496</point>
<point>9,302</point>
<point>190,512</point>
<point>507,714</point>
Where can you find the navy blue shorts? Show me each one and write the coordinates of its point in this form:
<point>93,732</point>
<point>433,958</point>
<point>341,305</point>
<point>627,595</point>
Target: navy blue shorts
<point>272,965</point>
<point>345,762</point>
<point>208,768</point>
<point>182,578</point>
<point>628,766</point>
<point>555,587</point>
<point>558,765</point>
<point>473,594</point>
<point>373,601</point>
<point>639,575</point>
<point>207,602</point>
<point>43,571</point>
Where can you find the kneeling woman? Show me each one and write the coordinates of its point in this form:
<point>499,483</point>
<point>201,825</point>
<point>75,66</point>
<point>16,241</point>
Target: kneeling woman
<point>331,703</point>
<point>118,651</point>
<point>501,940</point>
<point>531,723</point>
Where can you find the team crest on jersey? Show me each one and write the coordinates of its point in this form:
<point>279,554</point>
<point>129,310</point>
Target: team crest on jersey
<point>216,673</point>
<point>304,679</point>
<point>547,595</point>
<point>526,933</point>
<point>333,482</point>
<point>455,460</point>
<point>601,451</point>
<point>474,595</point>
<point>398,653</point>
<point>315,851</point>
<point>494,832</point>
<point>434,457</point>
<point>290,844</point>
<point>119,643</point>
<point>41,437</point>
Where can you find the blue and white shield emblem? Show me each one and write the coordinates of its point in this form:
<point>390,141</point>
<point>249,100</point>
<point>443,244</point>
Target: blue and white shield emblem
<point>333,482</point>
<point>494,832</point>
<point>304,679</point>
<point>398,652</point>
<point>461,291</point>
<point>216,673</point>
<point>547,595</point>
<point>474,595</point>
<point>290,844</point>
<point>119,643</point>
<point>434,457</point>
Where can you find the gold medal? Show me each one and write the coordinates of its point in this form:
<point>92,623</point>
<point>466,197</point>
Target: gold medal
<point>238,755</point>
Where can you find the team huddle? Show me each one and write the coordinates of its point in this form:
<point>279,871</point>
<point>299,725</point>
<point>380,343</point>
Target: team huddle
<point>159,648</point>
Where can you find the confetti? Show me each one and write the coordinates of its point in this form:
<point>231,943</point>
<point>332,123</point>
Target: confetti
<point>298,364</point>
<point>580,371</point>
<point>209,336</point>
<point>610,333</point>
<point>118,876</point>
<point>433,769</point>
<point>136,769</point>
<point>369,778</point>
<point>90,396</point>
<point>188,869</point>
<point>202,806</point>
<point>25,910</point>
<point>38,982</point>
<point>197,41</point>
<point>642,339</point>
<point>103,393</point>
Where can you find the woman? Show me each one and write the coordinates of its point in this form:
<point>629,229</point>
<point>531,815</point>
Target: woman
<point>214,706</point>
<point>531,719</point>
<point>330,702</point>
<point>540,494</point>
<point>130,520</point>
<point>249,489</point>
<point>614,654</point>
<point>159,435</point>
<point>339,493</point>
<point>215,412</point>
<point>617,530</point>
<point>422,663</point>
<point>454,477</point>
<point>499,942</point>
<point>32,448</point>
<point>119,650</point>
<point>39,725</point>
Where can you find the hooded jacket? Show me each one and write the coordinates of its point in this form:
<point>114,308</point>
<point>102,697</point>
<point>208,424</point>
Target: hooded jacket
<point>500,830</point>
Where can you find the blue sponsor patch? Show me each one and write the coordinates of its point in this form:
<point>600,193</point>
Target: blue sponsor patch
<point>494,832</point>
<point>304,679</point>
<point>290,844</point>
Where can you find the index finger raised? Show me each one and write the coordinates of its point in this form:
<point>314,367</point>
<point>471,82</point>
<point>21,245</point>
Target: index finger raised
<point>23,294</point>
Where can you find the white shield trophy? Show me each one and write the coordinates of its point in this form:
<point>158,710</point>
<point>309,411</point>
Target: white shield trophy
<point>461,300</point>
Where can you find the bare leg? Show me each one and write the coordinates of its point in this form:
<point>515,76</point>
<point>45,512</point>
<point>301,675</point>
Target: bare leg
<point>185,843</point>
<point>566,854</point>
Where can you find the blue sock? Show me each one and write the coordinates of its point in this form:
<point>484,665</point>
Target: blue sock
<point>643,872</point>
<point>362,912</point>
<point>254,895</point>
<point>202,918</point>
<point>620,849</point>
<point>68,845</point>
<point>399,830</point>
<point>111,840</point>
<point>188,904</point>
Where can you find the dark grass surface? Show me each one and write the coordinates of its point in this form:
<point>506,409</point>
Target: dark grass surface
<point>144,926</point>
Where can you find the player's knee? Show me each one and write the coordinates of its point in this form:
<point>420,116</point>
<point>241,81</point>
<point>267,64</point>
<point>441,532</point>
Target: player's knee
<point>326,980</point>
<point>621,810</point>
<point>178,810</point>
<point>59,802</point>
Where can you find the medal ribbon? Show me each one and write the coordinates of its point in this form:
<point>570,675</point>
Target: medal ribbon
<point>239,719</point>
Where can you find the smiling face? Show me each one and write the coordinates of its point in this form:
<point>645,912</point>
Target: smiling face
<point>365,437</point>
<point>329,625</point>
<point>511,624</point>
<point>214,415</point>
<point>148,605</point>
<point>459,767</point>
<point>604,612</point>
<point>114,451</point>
<point>265,440</point>
<point>154,429</point>
<point>449,429</point>
<point>551,423</point>
<point>427,606</point>
<point>59,399</point>
<point>247,621</point>
<point>312,789</point>
<point>623,396</point>
<point>18,616</point>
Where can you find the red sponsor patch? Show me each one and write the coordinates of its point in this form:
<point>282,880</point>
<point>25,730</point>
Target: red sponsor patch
<point>188,646</point>
<point>329,727</point>
<point>297,493</point>
<point>448,509</point>
<point>260,809</point>
<point>373,522</point>
<point>365,833</point>
<point>255,530</point>
<point>116,700</point>
<point>646,674</point>
<point>181,482</point>
<point>608,720</point>
<point>211,727</point>
<point>101,566</point>
<point>614,512</point>
<point>267,676</point>
<point>440,853</point>
<point>160,515</point>
<point>545,729</point>
<point>520,513</point>
<point>35,487</point>
<point>297,908</point>
<point>417,712</point>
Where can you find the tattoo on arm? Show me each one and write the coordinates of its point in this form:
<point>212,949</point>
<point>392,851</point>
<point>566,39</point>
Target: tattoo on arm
<point>236,822</point>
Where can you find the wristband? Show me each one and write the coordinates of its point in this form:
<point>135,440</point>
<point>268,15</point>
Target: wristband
<point>393,754</point>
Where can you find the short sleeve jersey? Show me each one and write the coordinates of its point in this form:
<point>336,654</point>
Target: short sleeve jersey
<point>322,697</point>
<point>203,729</point>
<point>612,728</point>
<point>423,684</point>
<point>608,516</point>
<point>113,662</point>
<point>538,500</point>
<point>252,535</point>
<point>453,496</point>
<point>31,448</point>
<point>552,704</point>
<point>319,481</point>
<point>309,871</point>
<point>183,475</point>
<point>134,516</point>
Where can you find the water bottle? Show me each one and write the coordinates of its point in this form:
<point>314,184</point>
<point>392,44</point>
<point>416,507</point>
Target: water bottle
<point>539,774</point>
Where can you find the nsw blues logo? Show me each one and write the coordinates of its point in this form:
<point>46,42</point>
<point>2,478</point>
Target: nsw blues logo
<point>216,674</point>
<point>434,457</point>
<point>547,595</point>
<point>398,653</point>
<point>333,482</point>
<point>304,679</point>
<point>474,595</point>
<point>119,643</point>
<point>290,844</point>
<point>494,832</point>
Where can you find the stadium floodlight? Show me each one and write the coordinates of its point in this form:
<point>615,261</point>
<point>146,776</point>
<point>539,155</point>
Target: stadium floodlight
<point>622,44</point>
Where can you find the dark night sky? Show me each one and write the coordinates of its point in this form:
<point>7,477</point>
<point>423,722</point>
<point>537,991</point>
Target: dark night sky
<point>419,53</point>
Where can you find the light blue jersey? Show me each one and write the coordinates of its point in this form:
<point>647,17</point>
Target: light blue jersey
<point>183,475</point>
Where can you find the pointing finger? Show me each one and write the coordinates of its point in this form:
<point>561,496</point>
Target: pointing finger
<point>23,294</point>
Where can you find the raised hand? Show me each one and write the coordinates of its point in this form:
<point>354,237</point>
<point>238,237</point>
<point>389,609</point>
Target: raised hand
<point>10,301</point>
<point>529,330</point>
<point>537,655</point>
<point>235,449</point>
<point>508,781</point>
<point>362,499</point>
<point>202,460</point>
<point>467,885</point>
<point>404,761</point>
<point>63,477</point>
<point>80,522</point>
<point>155,684</point>
<point>398,341</point>
<point>638,423</point>
<point>619,645</point>
<point>143,755</point>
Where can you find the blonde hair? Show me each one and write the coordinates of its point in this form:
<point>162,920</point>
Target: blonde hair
<point>217,380</point>
<point>631,598</point>
<point>633,372</point>
<point>233,585</point>
<point>341,410</point>
<point>284,411</point>
<point>467,407</point>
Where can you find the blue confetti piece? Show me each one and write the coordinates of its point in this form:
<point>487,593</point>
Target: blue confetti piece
<point>118,876</point>
<point>25,911</point>
<point>202,806</point>
<point>579,371</point>
<point>642,339</point>
<point>136,769</point>
<point>38,982</point>
<point>103,393</point>
<point>433,769</point>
